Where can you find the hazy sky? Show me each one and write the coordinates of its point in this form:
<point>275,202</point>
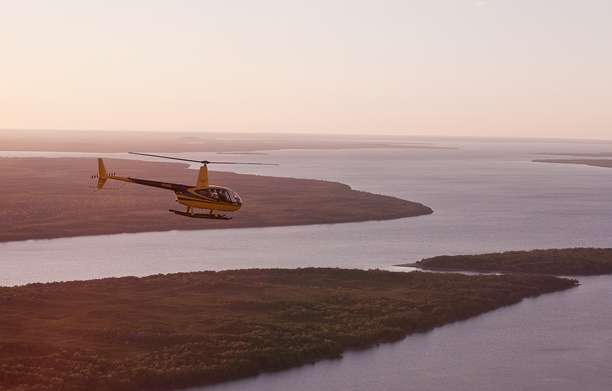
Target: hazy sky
<point>435,67</point>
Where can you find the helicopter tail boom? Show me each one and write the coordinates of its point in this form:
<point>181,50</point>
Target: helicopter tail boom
<point>104,176</point>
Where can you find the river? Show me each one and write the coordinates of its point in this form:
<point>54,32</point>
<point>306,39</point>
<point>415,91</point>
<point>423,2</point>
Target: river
<point>487,196</point>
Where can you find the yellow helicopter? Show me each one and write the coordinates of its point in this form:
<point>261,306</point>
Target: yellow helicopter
<point>201,196</point>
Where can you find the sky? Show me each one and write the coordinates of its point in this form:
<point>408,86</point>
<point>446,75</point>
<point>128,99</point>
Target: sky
<point>540,68</point>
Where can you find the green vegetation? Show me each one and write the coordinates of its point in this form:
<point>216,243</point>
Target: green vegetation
<point>567,262</point>
<point>186,329</point>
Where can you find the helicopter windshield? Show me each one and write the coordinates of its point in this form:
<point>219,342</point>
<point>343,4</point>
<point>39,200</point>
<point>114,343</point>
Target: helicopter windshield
<point>224,195</point>
<point>221,194</point>
<point>209,193</point>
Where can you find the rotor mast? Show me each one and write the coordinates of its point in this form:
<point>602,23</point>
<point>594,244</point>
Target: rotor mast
<point>203,176</point>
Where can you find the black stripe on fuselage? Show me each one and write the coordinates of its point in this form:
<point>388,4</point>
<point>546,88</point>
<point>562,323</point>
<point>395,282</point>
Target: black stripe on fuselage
<point>162,185</point>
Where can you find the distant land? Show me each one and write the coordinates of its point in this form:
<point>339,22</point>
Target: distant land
<point>101,141</point>
<point>565,262</point>
<point>584,154</point>
<point>587,162</point>
<point>166,332</point>
<point>45,198</point>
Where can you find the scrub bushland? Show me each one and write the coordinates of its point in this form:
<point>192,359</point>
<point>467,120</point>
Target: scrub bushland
<point>567,262</point>
<point>170,331</point>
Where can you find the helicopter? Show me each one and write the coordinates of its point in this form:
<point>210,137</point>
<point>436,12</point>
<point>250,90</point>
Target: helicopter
<point>201,196</point>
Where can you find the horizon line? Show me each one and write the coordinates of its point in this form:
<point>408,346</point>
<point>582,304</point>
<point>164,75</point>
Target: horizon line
<point>320,133</point>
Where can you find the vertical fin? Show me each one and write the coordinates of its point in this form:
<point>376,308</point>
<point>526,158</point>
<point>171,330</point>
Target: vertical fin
<point>102,176</point>
<point>203,176</point>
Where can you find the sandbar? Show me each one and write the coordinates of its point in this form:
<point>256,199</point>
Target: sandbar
<point>44,198</point>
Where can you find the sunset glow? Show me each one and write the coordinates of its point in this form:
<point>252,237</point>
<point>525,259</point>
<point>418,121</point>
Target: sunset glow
<point>454,67</point>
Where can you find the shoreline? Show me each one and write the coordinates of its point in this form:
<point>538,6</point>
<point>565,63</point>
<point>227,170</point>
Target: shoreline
<point>322,224</point>
<point>48,198</point>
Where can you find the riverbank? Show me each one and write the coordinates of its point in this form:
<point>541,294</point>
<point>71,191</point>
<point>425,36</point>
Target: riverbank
<point>185,329</point>
<point>45,198</point>
<point>562,262</point>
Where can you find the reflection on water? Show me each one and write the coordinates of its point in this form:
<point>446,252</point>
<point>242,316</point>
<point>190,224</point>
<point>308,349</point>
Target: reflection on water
<point>486,197</point>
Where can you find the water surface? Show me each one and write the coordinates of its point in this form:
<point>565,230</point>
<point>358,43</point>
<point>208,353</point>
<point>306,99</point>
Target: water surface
<point>486,197</point>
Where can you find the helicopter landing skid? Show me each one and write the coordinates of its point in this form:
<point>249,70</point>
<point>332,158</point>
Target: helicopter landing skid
<point>201,215</point>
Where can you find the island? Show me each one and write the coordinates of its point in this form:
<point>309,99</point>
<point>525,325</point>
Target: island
<point>579,154</point>
<point>45,198</point>
<point>563,262</point>
<point>587,162</point>
<point>165,332</point>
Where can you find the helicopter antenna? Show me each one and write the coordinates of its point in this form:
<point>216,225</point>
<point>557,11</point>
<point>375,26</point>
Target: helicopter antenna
<point>205,162</point>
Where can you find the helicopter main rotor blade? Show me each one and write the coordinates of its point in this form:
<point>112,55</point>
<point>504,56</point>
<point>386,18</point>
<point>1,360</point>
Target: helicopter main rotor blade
<point>257,164</point>
<point>201,161</point>
<point>169,157</point>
